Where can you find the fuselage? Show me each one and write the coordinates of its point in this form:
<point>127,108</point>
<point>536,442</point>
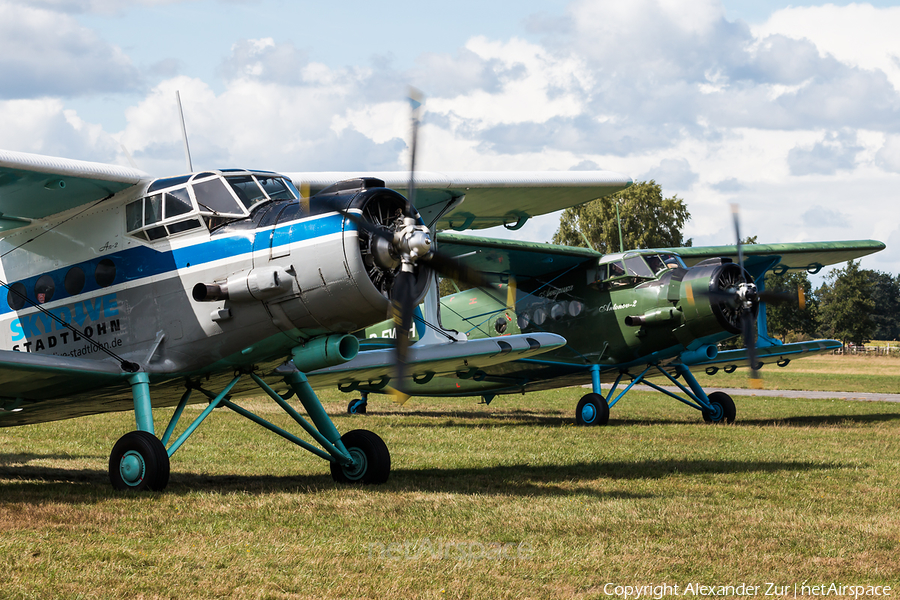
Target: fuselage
<point>621,312</point>
<point>115,280</point>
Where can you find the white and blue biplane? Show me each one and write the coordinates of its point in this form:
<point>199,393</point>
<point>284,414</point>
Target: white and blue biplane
<point>127,292</point>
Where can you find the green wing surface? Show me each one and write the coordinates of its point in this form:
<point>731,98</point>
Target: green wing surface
<point>522,259</point>
<point>34,186</point>
<point>477,200</point>
<point>532,259</point>
<point>809,256</point>
<point>371,370</point>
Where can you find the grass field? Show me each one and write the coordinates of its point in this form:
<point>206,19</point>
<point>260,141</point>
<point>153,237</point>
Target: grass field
<point>502,501</point>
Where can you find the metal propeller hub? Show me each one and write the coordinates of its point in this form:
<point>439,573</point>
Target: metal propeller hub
<point>732,297</point>
<point>747,295</point>
<point>413,242</point>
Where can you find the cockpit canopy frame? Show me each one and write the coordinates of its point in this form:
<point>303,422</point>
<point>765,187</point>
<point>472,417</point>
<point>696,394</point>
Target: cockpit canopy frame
<point>210,199</point>
<point>635,266</point>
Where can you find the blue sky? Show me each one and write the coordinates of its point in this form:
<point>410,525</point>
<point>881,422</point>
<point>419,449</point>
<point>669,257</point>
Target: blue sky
<point>791,111</point>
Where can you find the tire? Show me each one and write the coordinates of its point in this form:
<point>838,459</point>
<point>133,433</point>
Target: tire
<point>592,409</point>
<point>357,406</point>
<point>724,410</point>
<point>138,462</point>
<point>371,453</point>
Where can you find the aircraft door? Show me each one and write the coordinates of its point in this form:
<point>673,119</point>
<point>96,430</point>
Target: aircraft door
<point>273,244</point>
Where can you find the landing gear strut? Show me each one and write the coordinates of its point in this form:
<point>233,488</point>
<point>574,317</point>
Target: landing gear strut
<point>357,406</point>
<point>593,409</point>
<point>140,461</point>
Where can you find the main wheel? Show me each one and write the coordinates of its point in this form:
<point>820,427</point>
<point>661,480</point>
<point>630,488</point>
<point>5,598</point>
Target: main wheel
<point>592,409</point>
<point>357,406</point>
<point>139,461</point>
<point>723,410</point>
<point>372,459</point>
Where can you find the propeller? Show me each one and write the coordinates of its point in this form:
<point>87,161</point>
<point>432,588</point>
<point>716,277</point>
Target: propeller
<point>746,294</point>
<point>411,244</point>
<point>738,295</point>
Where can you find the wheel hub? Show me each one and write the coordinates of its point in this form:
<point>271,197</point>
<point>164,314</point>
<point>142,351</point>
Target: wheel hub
<point>357,469</point>
<point>132,468</point>
<point>588,413</point>
<point>717,412</point>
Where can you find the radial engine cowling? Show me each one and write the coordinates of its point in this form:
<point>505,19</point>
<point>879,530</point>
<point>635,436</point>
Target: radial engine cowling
<point>711,297</point>
<point>345,278</point>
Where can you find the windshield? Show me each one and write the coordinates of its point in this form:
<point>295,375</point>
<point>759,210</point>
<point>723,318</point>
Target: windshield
<point>662,262</point>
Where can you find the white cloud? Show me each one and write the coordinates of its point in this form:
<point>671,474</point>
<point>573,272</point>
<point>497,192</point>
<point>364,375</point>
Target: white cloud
<point>790,123</point>
<point>44,53</point>
<point>857,34</point>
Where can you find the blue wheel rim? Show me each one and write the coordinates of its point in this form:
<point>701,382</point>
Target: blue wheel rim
<point>588,413</point>
<point>132,468</point>
<point>357,470</point>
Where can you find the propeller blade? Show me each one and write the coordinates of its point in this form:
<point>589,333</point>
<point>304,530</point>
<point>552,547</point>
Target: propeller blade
<point>777,297</point>
<point>454,269</point>
<point>749,332</point>
<point>416,99</point>
<point>366,225</point>
<point>403,291</point>
<point>735,210</point>
<point>402,306</point>
<point>749,324</point>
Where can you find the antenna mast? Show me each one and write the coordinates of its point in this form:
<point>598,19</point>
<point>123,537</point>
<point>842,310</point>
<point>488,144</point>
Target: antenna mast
<point>187,149</point>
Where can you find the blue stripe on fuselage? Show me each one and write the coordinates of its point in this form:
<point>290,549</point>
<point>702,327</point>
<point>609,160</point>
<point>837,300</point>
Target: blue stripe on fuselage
<point>141,262</point>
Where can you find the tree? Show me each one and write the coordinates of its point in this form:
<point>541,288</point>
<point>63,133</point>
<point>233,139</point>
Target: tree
<point>847,305</point>
<point>648,220</point>
<point>886,314</point>
<point>787,318</point>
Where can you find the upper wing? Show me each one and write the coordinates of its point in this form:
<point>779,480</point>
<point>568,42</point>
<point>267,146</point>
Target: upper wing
<point>34,186</point>
<point>371,369</point>
<point>513,257</point>
<point>758,258</point>
<point>477,200</point>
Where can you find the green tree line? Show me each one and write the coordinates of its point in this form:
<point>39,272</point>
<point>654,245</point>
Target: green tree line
<point>853,305</point>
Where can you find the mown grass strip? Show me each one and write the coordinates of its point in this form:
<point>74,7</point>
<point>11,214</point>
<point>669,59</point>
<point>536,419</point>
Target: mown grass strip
<point>504,501</point>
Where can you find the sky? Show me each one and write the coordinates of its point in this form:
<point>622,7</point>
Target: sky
<point>790,111</point>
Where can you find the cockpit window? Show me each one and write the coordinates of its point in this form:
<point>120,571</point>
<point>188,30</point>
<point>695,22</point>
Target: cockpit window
<point>673,261</point>
<point>178,202</point>
<point>215,197</point>
<point>637,267</point>
<point>247,190</point>
<point>184,203</point>
<point>153,209</point>
<point>276,188</point>
<point>663,262</point>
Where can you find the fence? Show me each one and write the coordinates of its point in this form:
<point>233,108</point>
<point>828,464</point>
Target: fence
<point>886,350</point>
